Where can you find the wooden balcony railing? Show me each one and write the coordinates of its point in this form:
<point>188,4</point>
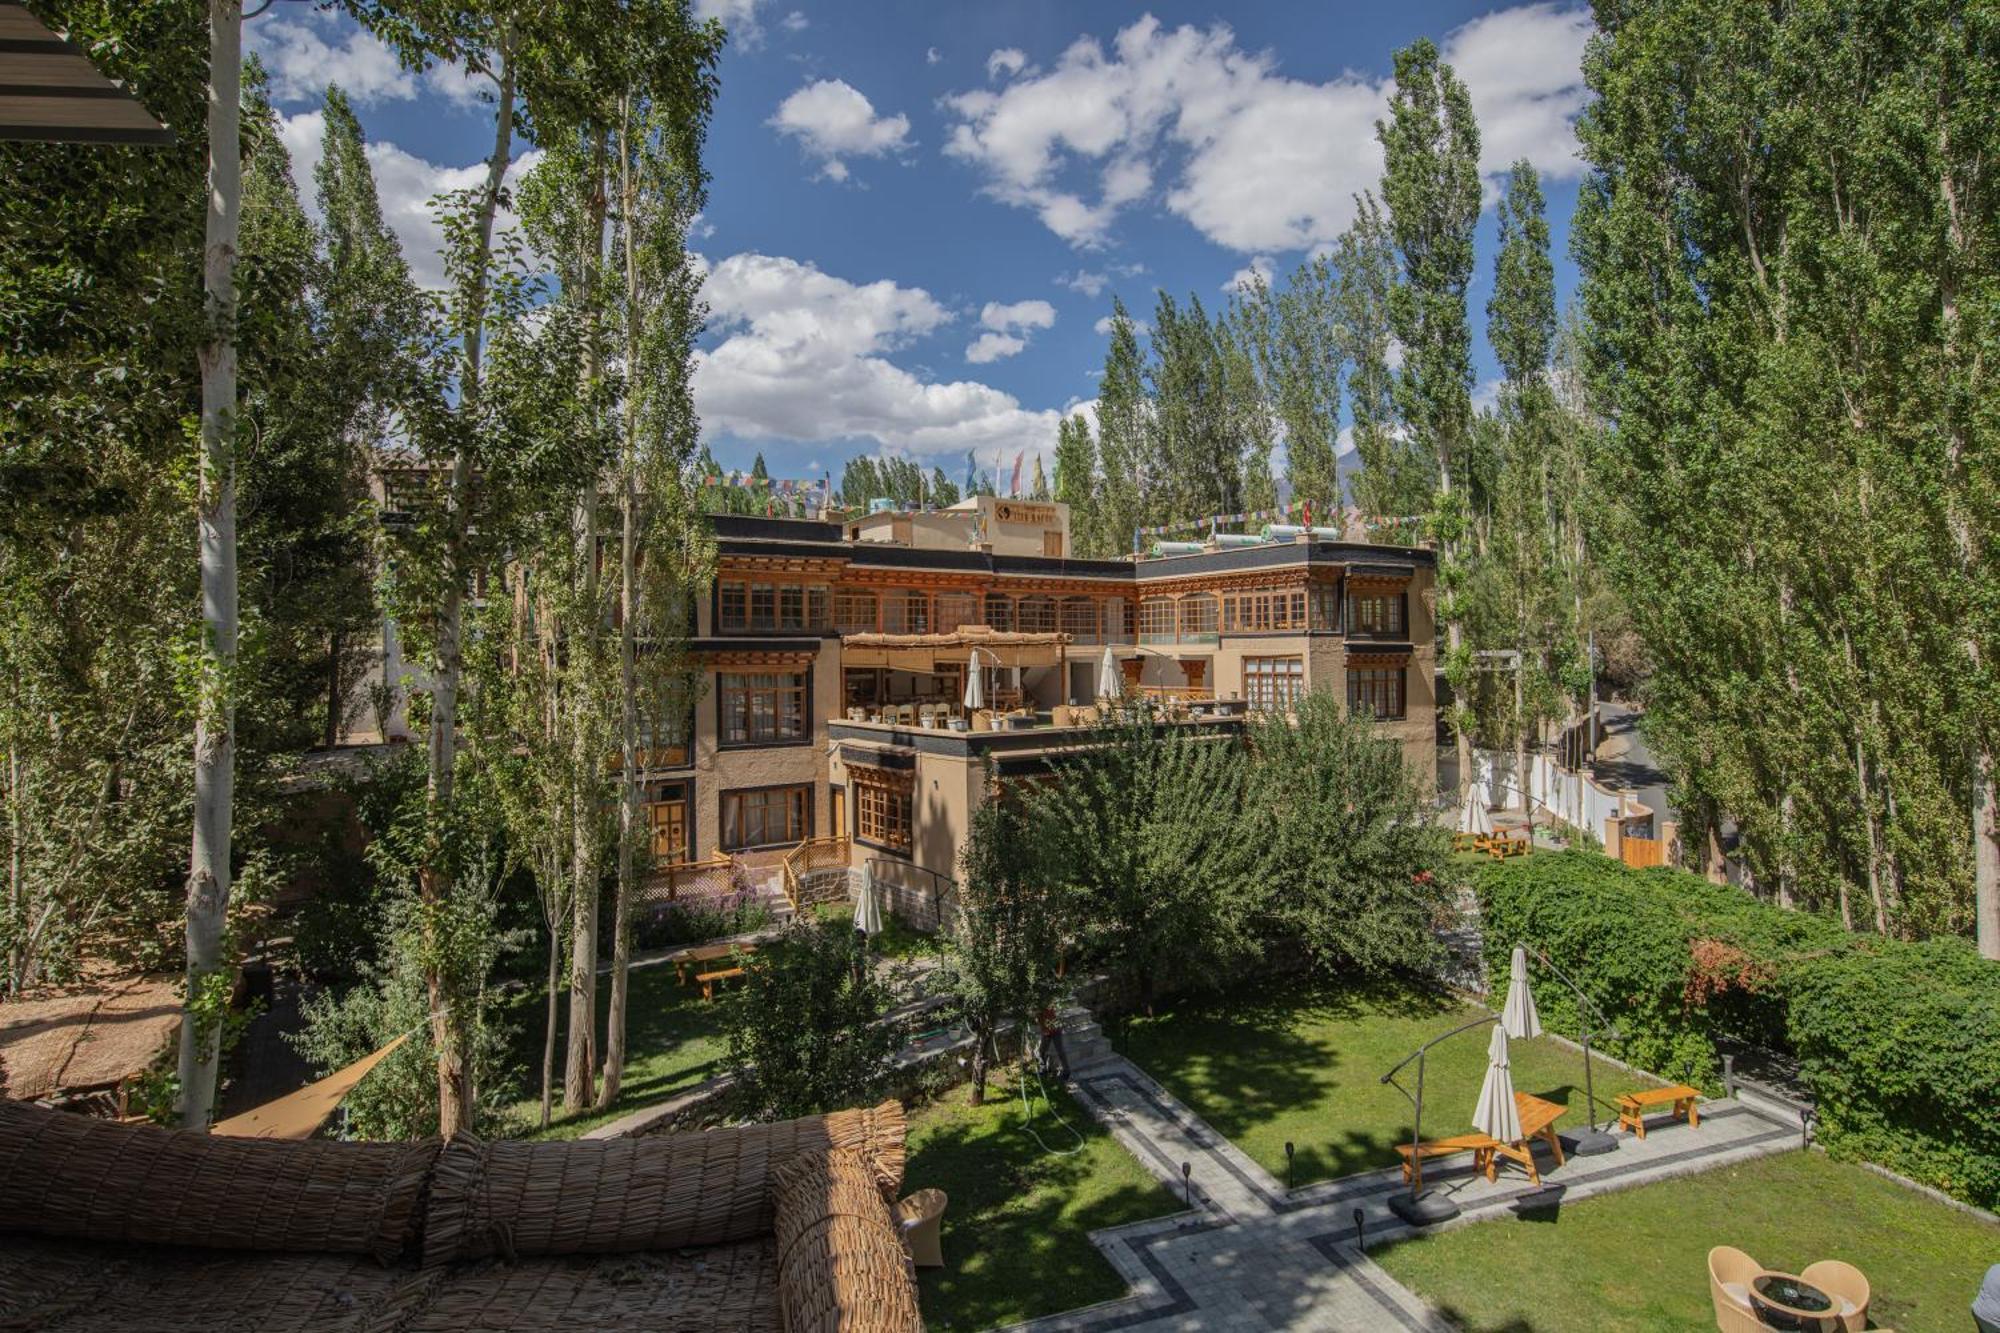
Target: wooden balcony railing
<point>712,877</point>
<point>804,861</point>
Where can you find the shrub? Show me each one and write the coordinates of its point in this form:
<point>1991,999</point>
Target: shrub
<point>804,1028</point>
<point>693,920</point>
<point>1898,1043</point>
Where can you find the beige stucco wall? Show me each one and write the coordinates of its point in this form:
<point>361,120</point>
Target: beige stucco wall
<point>718,770</point>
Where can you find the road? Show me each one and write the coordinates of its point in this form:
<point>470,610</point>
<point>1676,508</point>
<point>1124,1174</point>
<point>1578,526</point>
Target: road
<point>1625,762</point>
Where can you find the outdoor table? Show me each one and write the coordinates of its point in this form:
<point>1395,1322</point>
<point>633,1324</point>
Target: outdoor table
<point>1786,1300</point>
<point>685,960</point>
<point>1538,1120</point>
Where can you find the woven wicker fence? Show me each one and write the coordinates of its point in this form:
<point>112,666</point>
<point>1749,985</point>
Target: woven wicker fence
<point>602,1196</point>
<point>841,1266</point>
<point>69,1175</point>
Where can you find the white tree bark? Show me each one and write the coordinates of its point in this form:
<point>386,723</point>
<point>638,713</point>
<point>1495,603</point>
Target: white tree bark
<point>215,715</point>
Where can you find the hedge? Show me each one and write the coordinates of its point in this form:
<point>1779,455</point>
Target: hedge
<point>1898,1043</point>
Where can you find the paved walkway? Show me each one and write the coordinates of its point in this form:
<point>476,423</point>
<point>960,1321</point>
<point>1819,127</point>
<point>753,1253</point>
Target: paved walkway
<point>1247,1254</point>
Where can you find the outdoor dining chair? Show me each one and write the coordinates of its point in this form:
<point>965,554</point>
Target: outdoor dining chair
<point>1846,1284</point>
<point>1729,1274</point>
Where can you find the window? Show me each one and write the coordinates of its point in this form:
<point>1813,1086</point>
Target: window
<point>955,609</point>
<point>742,605</point>
<point>1375,691</point>
<point>1264,611</point>
<point>1157,620</point>
<point>1273,684</point>
<point>1037,615</point>
<point>854,612</point>
<point>1198,616</point>
<point>770,817</point>
<point>906,611</point>
<point>1079,618</point>
<point>882,808</point>
<point>1326,606</point>
<point>763,708</point>
<point>1377,615</point>
<point>999,611</point>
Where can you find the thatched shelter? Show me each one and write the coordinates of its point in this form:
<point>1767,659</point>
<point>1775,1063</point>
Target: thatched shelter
<point>111,1226</point>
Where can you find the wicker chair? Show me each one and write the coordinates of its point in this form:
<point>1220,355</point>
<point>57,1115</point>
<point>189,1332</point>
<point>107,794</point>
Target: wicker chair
<point>1846,1284</point>
<point>919,1217</point>
<point>1729,1274</point>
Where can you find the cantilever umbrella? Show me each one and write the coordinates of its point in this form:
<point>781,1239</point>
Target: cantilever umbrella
<point>1107,675</point>
<point>1496,1113</point>
<point>1518,1015</point>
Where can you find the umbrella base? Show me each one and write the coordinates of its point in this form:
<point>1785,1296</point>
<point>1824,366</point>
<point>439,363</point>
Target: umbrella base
<point>1423,1210</point>
<point>1594,1143</point>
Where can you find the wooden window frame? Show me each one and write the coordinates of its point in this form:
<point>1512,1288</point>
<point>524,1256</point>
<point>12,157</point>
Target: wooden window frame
<point>884,809</point>
<point>1396,606</point>
<point>779,691</point>
<point>1384,689</point>
<point>857,611</point>
<point>1273,684</point>
<point>1159,620</point>
<point>799,800</point>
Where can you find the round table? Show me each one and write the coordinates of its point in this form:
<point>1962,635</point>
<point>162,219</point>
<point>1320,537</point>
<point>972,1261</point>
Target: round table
<point>1786,1300</point>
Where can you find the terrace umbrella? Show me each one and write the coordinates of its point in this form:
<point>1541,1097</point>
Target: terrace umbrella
<point>1518,1015</point>
<point>1107,675</point>
<point>1496,1113</point>
<point>975,687</point>
<point>868,912</point>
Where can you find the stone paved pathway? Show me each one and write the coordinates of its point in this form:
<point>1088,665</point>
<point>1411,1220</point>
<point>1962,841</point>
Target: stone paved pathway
<point>1247,1254</point>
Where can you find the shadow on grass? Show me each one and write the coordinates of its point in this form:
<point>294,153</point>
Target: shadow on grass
<point>1016,1231</point>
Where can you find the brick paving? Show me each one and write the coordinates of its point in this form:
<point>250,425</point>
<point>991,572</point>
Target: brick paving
<point>1248,1254</point>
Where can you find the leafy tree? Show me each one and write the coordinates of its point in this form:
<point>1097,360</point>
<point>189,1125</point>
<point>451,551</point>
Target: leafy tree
<point>1395,477</point>
<point>1194,461</point>
<point>1359,867</point>
<point>1430,183</point>
<point>1004,951</point>
<point>1145,825</point>
<point>1124,448</point>
<point>804,1028</point>
<point>1077,484</point>
<point>1294,336</point>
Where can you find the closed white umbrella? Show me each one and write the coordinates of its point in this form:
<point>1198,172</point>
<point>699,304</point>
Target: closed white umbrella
<point>868,912</point>
<point>975,687</point>
<point>1496,1113</point>
<point>1107,675</point>
<point>1518,1016</point>
<point>1475,818</point>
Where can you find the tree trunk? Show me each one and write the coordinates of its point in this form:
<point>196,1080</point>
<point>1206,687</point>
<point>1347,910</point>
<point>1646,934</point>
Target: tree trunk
<point>1986,849</point>
<point>434,878</point>
<point>980,1040</point>
<point>333,708</point>
<point>215,715</point>
<point>628,670</point>
<point>549,1034</point>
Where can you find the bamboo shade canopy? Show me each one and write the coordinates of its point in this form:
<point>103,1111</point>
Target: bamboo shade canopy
<point>299,1115</point>
<point>51,93</point>
<point>921,652</point>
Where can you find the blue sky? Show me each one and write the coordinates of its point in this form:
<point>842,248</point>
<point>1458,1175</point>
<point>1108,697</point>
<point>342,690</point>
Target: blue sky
<point>920,212</point>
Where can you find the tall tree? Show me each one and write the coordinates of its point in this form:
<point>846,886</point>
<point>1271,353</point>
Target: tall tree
<point>1430,183</point>
<point>1124,435</point>
<point>209,973</point>
<point>1395,478</point>
<point>1293,339</point>
<point>1195,462</point>
<point>1076,486</point>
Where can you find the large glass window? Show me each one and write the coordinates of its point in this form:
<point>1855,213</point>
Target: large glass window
<point>955,609</point>
<point>1264,611</point>
<point>882,809</point>
<point>1378,615</point>
<point>1326,606</point>
<point>767,817</point>
<point>1198,616</point>
<point>1079,618</point>
<point>1273,684</point>
<point>1375,692</point>
<point>763,708</point>
<point>854,612</point>
<point>1159,618</point>
<point>906,611</point>
<point>744,605</point>
<point>999,611</point>
<point>1037,615</point>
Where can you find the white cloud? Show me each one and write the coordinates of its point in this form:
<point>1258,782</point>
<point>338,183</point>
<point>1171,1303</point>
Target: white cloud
<point>933,56</point>
<point>1254,160</point>
<point>1008,327</point>
<point>1090,284</point>
<point>804,356</point>
<point>1006,62</point>
<point>994,347</point>
<point>738,16</point>
<point>405,183</point>
<point>1139,326</point>
<point>832,120</point>
<point>1259,269</point>
<point>303,54</point>
<point>796,21</point>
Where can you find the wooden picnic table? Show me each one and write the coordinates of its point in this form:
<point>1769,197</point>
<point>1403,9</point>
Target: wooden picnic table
<point>1538,1121</point>
<point>688,959</point>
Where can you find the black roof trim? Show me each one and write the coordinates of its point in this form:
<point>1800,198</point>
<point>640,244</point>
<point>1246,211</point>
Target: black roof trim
<point>1404,560</point>
<point>753,643</point>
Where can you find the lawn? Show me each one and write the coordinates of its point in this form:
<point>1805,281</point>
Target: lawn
<point>897,940</point>
<point>1637,1259</point>
<point>673,1040</point>
<point>1016,1230</point>
<point>1298,1061</point>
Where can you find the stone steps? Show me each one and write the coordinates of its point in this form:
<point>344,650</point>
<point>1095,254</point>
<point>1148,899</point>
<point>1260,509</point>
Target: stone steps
<point>1083,1039</point>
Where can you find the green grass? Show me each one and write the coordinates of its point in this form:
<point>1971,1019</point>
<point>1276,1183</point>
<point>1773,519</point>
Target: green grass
<point>896,940</point>
<point>673,1040</point>
<point>1637,1260</point>
<point>1016,1228</point>
<point>1302,1062</point>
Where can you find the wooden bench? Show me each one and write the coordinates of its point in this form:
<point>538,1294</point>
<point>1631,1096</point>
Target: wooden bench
<point>687,960</point>
<point>1502,848</point>
<point>1413,1155</point>
<point>709,980</point>
<point>1679,1099</point>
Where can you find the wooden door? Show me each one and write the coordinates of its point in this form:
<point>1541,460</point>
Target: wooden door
<point>836,809</point>
<point>666,824</point>
<point>1052,543</point>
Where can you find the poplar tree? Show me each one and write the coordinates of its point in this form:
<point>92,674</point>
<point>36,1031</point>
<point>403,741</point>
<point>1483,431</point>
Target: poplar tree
<point>1124,434</point>
<point>1430,184</point>
<point>1076,486</point>
<point>1394,480</point>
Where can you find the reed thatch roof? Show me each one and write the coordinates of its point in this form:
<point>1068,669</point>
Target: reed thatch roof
<point>108,1226</point>
<point>89,1038</point>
